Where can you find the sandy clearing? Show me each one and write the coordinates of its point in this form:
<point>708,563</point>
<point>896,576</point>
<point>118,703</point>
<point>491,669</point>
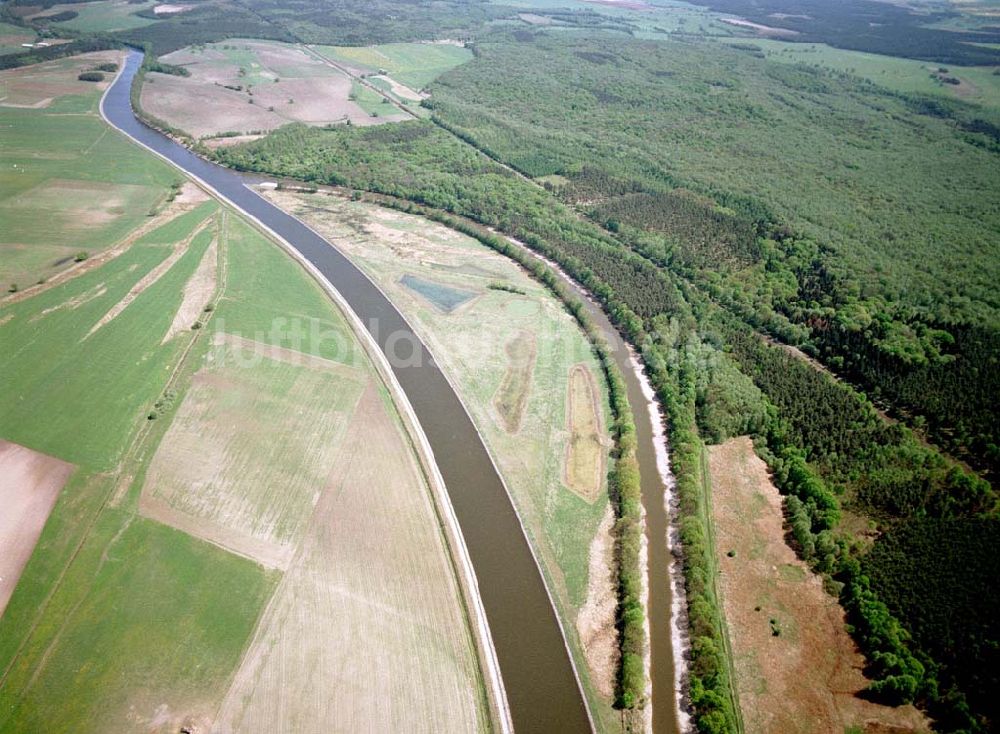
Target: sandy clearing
<point>190,195</point>
<point>585,455</point>
<point>401,90</point>
<point>29,487</point>
<point>365,631</point>
<point>806,678</point>
<point>596,621</point>
<point>168,9</point>
<point>150,278</point>
<point>197,292</point>
<point>763,30</point>
<point>223,142</point>
<point>74,303</point>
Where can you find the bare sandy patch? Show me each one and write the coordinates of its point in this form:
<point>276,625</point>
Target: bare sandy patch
<point>198,292</point>
<point>365,631</point>
<point>75,302</point>
<point>29,487</point>
<point>807,677</point>
<point>190,195</point>
<point>401,90</point>
<point>512,395</point>
<point>596,622</point>
<point>170,9</point>
<point>226,141</point>
<point>585,452</point>
<point>762,30</point>
<point>150,278</point>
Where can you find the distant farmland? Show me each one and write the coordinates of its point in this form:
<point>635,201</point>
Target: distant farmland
<point>414,64</point>
<point>246,86</point>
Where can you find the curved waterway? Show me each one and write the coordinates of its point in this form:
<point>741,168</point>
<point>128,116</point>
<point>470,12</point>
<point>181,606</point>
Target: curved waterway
<point>664,583</point>
<point>542,689</point>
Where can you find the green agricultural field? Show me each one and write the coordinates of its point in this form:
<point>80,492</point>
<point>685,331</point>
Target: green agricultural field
<point>59,385</point>
<point>12,36</point>
<point>369,100</point>
<point>104,16</point>
<point>978,83</point>
<point>89,187</point>
<point>414,64</point>
<point>510,356</point>
<point>125,618</point>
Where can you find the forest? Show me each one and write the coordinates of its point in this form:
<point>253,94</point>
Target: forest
<point>787,209</point>
<point>862,25</point>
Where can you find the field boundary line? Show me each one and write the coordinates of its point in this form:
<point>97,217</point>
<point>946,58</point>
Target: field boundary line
<point>500,709</point>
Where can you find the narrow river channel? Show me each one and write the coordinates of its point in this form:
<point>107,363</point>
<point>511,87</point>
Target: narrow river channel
<point>663,569</point>
<point>541,686</point>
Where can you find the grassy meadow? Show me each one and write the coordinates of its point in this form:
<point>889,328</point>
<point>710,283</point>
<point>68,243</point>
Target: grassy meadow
<point>414,64</point>
<point>12,36</point>
<point>978,84</point>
